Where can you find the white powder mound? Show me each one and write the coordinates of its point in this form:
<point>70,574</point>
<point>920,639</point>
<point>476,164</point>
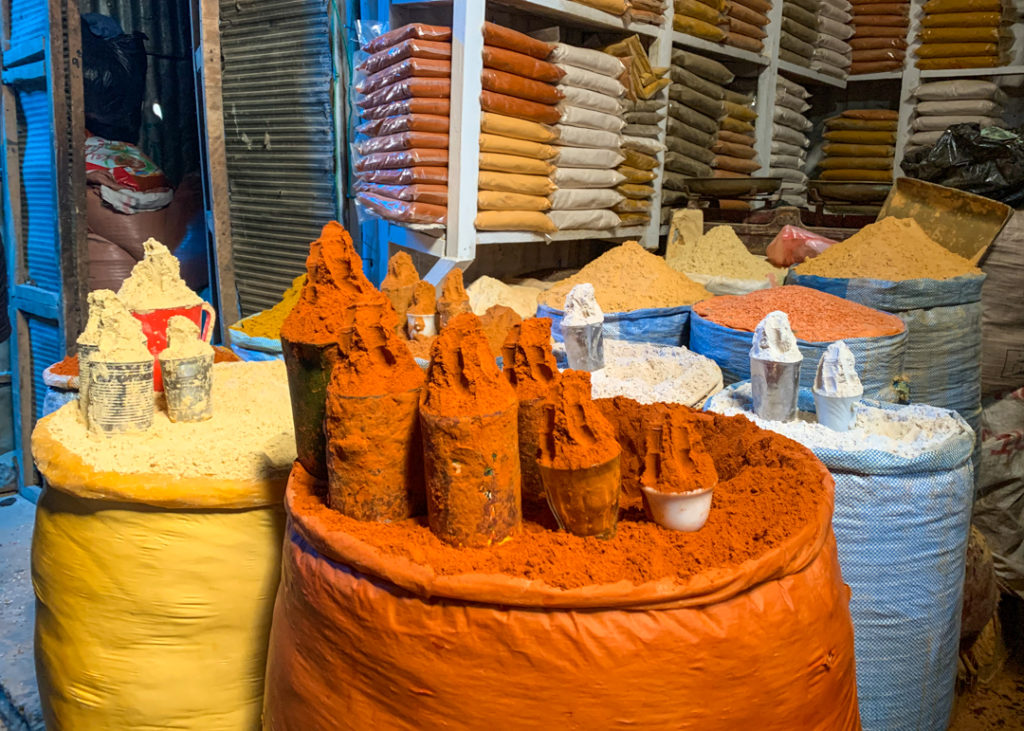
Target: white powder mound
<point>485,292</point>
<point>581,307</point>
<point>655,374</point>
<point>250,437</point>
<point>905,432</point>
<point>774,340</point>
<point>837,373</point>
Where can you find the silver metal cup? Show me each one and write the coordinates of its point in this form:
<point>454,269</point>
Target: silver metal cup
<point>584,346</point>
<point>188,383</point>
<point>775,388</point>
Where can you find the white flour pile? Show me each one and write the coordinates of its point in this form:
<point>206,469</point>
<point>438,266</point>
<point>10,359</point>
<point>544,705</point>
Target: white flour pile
<point>905,432</point>
<point>485,292</point>
<point>655,374</point>
<point>250,436</point>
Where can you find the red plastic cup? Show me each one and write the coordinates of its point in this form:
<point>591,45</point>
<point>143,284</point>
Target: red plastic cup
<point>154,325</point>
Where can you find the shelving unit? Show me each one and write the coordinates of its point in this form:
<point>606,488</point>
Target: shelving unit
<point>458,243</point>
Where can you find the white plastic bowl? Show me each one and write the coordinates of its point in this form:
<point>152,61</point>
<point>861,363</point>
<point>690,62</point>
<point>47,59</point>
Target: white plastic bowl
<point>835,412</point>
<point>683,511</point>
<point>425,325</point>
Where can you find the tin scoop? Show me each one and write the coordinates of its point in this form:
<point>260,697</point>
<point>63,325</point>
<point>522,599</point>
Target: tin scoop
<point>775,368</point>
<point>583,329</point>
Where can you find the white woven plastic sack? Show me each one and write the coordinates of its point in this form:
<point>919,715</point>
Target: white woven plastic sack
<point>901,526</point>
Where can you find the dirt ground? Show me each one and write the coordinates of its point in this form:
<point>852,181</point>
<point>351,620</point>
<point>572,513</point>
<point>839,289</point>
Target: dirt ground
<point>997,699</point>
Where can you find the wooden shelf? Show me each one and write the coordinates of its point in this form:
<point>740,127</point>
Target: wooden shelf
<point>684,40</point>
<point>880,76</point>
<point>963,73</point>
<point>568,12</point>
<point>809,75</point>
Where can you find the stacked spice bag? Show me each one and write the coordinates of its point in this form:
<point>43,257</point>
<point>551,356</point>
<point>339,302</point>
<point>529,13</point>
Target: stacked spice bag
<point>941,104</point>
<point>744,24</point>
<point>519,101</point>
<point>644,111</point>
<point>700,18</point>
<point>832,53</point>
<point>860,145</point>
<point>789,142</point>
<point>735,156</point>
<point>799,32</point>
<point>403,141</point>
<point>880,36</point>
<point>589,144</point>
<point>651,12</point>
<point>696,104</point>
<point>964,34</point>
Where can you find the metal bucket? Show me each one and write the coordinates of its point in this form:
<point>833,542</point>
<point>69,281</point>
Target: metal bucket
<point>775,388</point>
<point>188,383</point>
<point>309,371</point>
<point>120,396</point>
<point>84,353</point>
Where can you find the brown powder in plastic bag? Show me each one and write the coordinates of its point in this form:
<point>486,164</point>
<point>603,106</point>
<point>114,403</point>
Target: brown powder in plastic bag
<point>409,68</point>
<point>403,141</point>
<point>856,163</point>
<point>745,152</point>
<point>406,89</point>
<point>695,27</point>
<point>406,176</point>
<point>747,15</point>
<point>502,37</point>
<point>888,21</point>
<point>863,44</point>
<point>739,111</point>
<point>511,183</point>
<point>403,211</point>
<point>874,67</point>
<point>870,125</point>
<point>876,176</point>
<point>878,54</point>
<point>428,157</point>
<point>736,26</point>
<point>860,137</point>
<point>412,48</point>
<point>520,87</point>
<point>736,164</point>
<point>731,124</point>
<point>520,64</point>
<point>840,149</point>
<point>404,123</point>
<point>698,10</point>
<point>902,9</point>
<point>415,105</point>
<point>636,175</point>
<point>436,194</point>
<point>512,107</point>
<point>736,137</point>
<point>419,31</point>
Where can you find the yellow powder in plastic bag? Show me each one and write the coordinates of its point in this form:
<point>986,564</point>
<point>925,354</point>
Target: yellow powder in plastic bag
<point>513,146</point>
<point>534,221</point>
<point>514,164</point>
<point>494,200</point>
<point>512,183</point>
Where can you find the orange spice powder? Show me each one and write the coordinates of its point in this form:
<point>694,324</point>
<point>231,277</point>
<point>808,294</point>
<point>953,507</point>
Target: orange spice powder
<point>577,435</point>
<point>814,316</point>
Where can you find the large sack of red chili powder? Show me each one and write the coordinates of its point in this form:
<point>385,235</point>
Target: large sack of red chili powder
<point>744,624</point>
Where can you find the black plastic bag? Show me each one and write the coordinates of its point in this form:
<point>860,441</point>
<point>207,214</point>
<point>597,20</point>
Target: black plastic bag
<point>114,79</point>
<point>988,163</point>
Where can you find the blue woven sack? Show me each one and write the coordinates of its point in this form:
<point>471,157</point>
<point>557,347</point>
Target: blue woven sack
<point>901,525</point>
<point>879,360</point>
<point>659,325</point>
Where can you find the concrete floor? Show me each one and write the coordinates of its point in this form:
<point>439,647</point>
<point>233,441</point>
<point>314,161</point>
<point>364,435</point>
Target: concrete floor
<point>19,698</point>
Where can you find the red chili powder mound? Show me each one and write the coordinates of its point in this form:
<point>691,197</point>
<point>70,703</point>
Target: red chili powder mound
<point>769,488</point>
<point>453,299</point>
<point>424,299</point>
<point>463,379</point>
<point>576,435</point>
<point>335,286</point>
<point>497,322</point>
<point>420,346</point>
<point>66,367</point>
<point>400,282</point>
<point>372,361</point>
<point>527,360</point>
<point>814,316</point>
<point>680,463</point>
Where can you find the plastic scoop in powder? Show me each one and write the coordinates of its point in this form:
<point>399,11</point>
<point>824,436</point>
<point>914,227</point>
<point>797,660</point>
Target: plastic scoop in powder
<point>837,387</point>
<point>775,368</point>
<point>583,329</point>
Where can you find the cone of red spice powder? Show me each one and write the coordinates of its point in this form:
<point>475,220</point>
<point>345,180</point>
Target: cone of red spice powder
<point>335,291</point>
<point>530,367</point>
<point>469,416</point>
<point>374,447</point>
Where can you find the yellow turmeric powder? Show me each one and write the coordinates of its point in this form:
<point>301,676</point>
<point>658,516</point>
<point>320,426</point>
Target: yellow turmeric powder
<point>267,324</point>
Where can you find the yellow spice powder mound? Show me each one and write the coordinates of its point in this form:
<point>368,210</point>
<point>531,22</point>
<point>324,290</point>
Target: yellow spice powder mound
<point>250,436</point>
<point>628,278</point>
<point>267,324</point>
<point>719,253</point>
<point>893,249</point>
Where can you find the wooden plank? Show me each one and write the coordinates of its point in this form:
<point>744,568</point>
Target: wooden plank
<point>68,111</point>
<point>464,155</point>
<point>210,101</point>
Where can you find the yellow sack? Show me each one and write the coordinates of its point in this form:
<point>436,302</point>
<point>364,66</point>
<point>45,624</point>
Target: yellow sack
<point>512,146</point>
<point>153,596</point>
<point>524,129</point>
<point>512,183</point>
<point>514,164</point>
<point>515,221</point>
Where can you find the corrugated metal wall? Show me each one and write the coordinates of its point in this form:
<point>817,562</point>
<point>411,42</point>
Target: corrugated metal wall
<point>278,125</point>
<point>173,141</point>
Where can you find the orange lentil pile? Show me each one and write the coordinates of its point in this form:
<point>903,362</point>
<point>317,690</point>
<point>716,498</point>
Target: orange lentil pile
<point>814,316</point>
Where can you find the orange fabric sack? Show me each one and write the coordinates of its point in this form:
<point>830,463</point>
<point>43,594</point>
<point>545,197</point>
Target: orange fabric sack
<point>412,48</point>
<point>510,106</point>
<point>416,105</point>
<point>419,31</point>
<point>404,123</point>
<point>410,67</point>
<point>362,640</point>
<point>521,64</point>
<point>423,175</point>
<point>520,87</point>
<point>513,40</point>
